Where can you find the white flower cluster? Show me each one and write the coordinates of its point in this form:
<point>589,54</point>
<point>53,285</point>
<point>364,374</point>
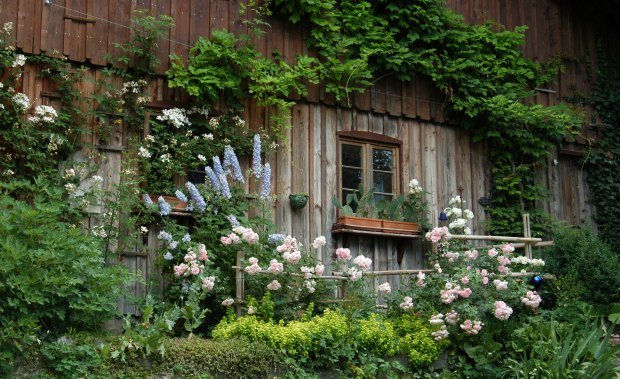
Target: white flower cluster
<point>19,60</point>
<point>526,261</point>
<point>176,116</point>
<point>407,303</point>
<point>44,113</point>
<point>133,87</point>
<point>384,288</point>
<point>414,187</point>
<point>7,27</point>
<point>144,152</point>
<point>99,231</point>
<point>55,142</point>
<point>21,101</point>
<point>458,216</point>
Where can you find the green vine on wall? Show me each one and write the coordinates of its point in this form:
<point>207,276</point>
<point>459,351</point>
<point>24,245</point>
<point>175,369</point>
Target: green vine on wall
<point>480,68</point>
<point>603,162</point>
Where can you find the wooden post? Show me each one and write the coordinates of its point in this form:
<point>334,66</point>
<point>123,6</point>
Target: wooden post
<point>527,233</point>
<point>239,291</point>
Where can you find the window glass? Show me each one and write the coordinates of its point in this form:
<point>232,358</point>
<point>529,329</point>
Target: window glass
<point>382,159</point>
<point>351,177</point>
<point>351,155</point>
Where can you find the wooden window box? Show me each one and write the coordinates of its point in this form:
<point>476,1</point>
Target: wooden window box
<point>372,226</point>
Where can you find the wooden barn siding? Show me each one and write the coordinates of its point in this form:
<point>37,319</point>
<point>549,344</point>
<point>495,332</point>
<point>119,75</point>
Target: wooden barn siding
<point>441,157</point>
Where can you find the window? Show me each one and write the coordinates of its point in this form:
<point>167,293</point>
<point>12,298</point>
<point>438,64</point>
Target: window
<point>371,160</point>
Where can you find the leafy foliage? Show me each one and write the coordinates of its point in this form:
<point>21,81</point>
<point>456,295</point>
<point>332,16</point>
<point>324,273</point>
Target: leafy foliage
<point>480,69</point>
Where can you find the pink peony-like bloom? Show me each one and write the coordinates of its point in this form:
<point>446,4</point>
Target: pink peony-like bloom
<point>503,269</point>
<point>385,288</point>
<point>452,317</point>
<point>471,328</point>
<point>180,270</point>
<point>318,242</point>
<point>354,274</point>
<point>253,260</point>
<point>250,236</point>
<point>465,293</point>
<point>436,319</point>
<point>407,303</point>
<point>492,252</point>
<point>364,263</point>
<point>447,296</point>
<point>195,269</point>
<point>225,240</point>
<point>292,257</point>
<point>228,302</point>
<point>500,285</point>
<point>484,272</point>
<point>234,238</point>
<point>307,271</point>
<point>471,254</point>
<point>343,254</point>
<point>208,283</point>
<point>532,299</point>
<point>502,311</point>
<point>252,269</point>
<point>421,276</point>
<point>465,280</point>
<point>485,280</point>
<point>507,248</point>
<point>440,334</point>
<point>502,260</point>
<point>202,250</point>
<point>275,267</point>
<point>274,285</point>
<point>319,269</point>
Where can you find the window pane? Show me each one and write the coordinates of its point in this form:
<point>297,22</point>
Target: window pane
<point>382,182</point>
<point>351,155</point>
<point>382,159</point>
<point>378,198</point>
<point>351,177</point>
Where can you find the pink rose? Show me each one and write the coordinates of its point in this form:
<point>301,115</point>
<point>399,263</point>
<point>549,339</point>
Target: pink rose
<point>343,254</point>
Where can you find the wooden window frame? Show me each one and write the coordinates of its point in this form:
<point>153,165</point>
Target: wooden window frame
<point>368,141</point>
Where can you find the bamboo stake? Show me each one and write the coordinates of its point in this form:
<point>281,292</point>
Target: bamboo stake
<point>239,290</point>
<point>495,238</point>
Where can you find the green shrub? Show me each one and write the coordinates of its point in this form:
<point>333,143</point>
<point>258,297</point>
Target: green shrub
<point>586,267</point>
<point>68,359</point>
<point>234,358</point>
<point>51,274</point>
<point>416,341</point>
<point>378,336</point>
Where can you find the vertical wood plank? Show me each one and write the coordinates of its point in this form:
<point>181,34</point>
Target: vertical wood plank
<point>180,10</point>
<point>317,181</point>
<point>329,172</point>
<point>97,32</point>
<point>25,25</point>
<point>162,8</point>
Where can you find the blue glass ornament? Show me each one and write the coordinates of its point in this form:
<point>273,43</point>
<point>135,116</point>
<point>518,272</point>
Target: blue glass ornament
<point>536,281</point>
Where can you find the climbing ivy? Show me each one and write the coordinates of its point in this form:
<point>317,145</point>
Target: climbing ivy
<point>480,68</point>
<point>603,162</point>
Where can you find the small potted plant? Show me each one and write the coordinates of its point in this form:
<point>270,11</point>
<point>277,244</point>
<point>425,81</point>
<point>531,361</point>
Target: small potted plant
<point>358,211</point>
<point>298,200</point>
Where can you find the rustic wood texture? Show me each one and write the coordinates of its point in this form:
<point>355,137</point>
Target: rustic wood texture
<point>442,157</point>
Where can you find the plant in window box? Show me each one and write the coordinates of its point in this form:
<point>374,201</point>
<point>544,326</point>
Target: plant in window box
<point>405,213</point>
<point>359,210</point>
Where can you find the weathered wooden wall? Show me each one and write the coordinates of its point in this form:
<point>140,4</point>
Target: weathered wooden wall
<point>441,156</point>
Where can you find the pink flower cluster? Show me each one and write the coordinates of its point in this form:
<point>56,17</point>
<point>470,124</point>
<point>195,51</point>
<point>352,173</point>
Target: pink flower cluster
<point>228,302</point>
<point>318,242</point>
<point>275,267</point>
<point>363,263</point>
<point>310,285</point>
<point>253,268</point>
<point>452,317</point>
<point>208,283</point>
<point>471,328</point>
<point>307,271</point>
<point>385,288</point>
<point>471,254</point>
<point>274,285</point>
<point>438,234</point>
<point>247,234</point>
<point>500,285</point>
<point>354,274</point>
<point>452,292</point>
<point>319,269</point>
<point>232,238</point>
<point>421,276</point>
<point>502,311</point>
<point>192,265</point>
<point>407,303</point>
<point>532,299</point>
<point>343,254</point>
<point>441,333</point>
<point>290,250</point>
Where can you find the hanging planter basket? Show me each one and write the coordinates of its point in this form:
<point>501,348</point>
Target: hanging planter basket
<point>298,200</point>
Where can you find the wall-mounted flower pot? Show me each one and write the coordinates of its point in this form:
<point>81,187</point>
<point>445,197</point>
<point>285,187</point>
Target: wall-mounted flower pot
<point>361,223</point>
<point>400,227</point>
<point>298,200</point>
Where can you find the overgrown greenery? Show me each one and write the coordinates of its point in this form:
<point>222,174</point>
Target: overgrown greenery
<point>603,162</point>
<point>480,69</point>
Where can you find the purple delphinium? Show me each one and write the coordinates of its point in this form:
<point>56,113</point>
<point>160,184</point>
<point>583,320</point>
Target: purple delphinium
<point>147,199</point>
<point>168,256</point>
<point>164,207</point>
<point>186,238</point>
<point>181,196</point>
<point>164,235</point>
<point>256,159</point>
<point>266,185</point>
<point>217,166</point>
<point>215,183</point>
<point>233,220</point>
<point>275,238</point>
<point>199,201</point>
<point>225,189</point>
<point>231,160</point>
